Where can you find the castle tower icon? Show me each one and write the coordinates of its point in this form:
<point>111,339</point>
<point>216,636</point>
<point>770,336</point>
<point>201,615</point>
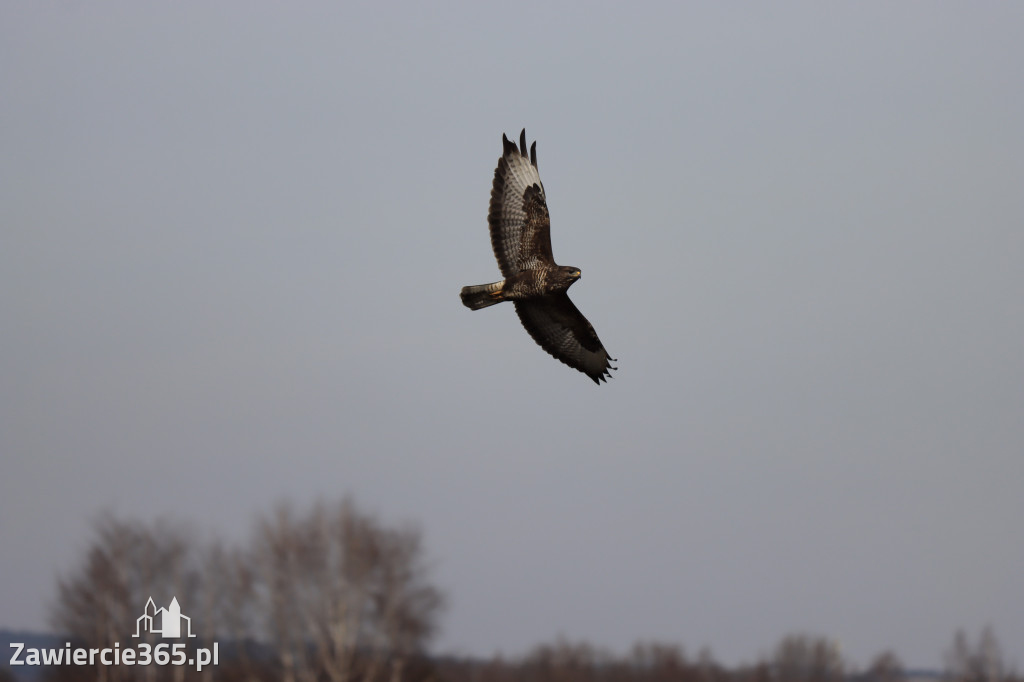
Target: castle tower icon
<point>165,622</point>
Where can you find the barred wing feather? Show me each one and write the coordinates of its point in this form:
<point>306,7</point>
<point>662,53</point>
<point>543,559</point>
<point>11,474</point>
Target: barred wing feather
<point>518,216</point>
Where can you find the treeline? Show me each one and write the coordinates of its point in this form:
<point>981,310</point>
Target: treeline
<point>333,595</point>
<point>796,658</point>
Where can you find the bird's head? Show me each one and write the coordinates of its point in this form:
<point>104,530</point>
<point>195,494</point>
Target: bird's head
<point>567,275</point>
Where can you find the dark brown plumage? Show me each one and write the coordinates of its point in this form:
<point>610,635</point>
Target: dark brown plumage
<point>521,238</point>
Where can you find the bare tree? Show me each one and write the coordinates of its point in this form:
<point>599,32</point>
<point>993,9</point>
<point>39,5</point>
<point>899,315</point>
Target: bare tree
<point>982,662</point>
<point>226,606</point>
<point>342,596</point>
<point>800,658</point>
<point>886,667</point>
<point>565,661</point>
<point>658,661</point>
<point>126,564</point>
<point>708,668</point>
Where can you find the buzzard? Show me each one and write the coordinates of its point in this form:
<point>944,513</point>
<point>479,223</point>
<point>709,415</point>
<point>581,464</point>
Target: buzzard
<point>536,285</point>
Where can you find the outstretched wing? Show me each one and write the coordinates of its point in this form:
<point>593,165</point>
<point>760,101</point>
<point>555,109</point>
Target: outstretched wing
<point>560,328</point>
<point>518,215</point>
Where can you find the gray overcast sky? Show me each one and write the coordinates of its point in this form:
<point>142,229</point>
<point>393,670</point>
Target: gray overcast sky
<point>233,236</point>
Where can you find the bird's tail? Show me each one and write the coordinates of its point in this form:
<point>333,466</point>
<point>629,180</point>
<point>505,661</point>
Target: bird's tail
<point>482,295</point>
